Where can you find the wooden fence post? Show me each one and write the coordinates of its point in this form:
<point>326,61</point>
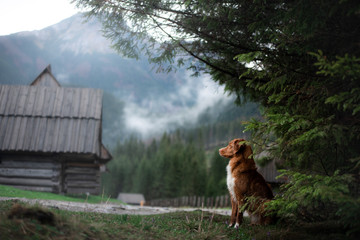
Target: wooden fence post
<point>193,203</point>
<point>217,199</point>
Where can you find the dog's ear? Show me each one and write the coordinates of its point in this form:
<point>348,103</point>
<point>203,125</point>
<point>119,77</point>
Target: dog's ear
<point>239,144</point>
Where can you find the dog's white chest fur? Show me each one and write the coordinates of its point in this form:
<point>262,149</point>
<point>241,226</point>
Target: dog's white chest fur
<point>230,180</point>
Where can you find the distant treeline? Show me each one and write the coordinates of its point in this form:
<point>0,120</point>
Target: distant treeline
<point>166,168</point>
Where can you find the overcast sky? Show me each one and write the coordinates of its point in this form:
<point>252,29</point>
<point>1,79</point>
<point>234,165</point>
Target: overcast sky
<point>29,15</point>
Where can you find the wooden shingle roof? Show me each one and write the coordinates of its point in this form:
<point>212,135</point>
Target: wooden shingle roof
<point>51,120</point>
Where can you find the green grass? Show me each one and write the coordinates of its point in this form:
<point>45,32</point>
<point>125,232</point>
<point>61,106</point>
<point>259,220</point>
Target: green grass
<point>7,191</point>
<point>21,221</point>
<point>15,224</point>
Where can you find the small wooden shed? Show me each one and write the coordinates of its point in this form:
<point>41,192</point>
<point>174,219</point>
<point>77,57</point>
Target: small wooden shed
<point>50,137</point>
<point>132,198</point>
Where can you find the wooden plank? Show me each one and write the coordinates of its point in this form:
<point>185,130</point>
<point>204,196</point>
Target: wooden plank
<point>69,131</point>
<point>12,100</point>
<point>39,102</point>
<point>35,134</point>
<point>3,129</point>
<point>75,135</point>
<point>90,113</point>
<point>28,133</point>
<point>62,135</point>
<point>8,135</point>
<point>91,175</point>
<point>83,164</point>
<point>15,133</point>
<point>81,170</point>
<point>46,146</point>
<point>28,182</point>
<point>83,177</point>
<point>83,129</point>
<point>23,93</point>
<point>84,102</point>
<point>76,102</point>
<point>4,94</point>
<point>21,135</point>
<point>81,184</point>
<point>29,164</point>
<point>87,105</point>
<point>27,173</point>
<point>95,104</point>
<point>33,188</point>
<point>49,135</point>
<point>59,95</point>
<point>67,102</point>
<point>96,139</point>
<point>98,105</point>
<point>51,101</point>
<point>43,125</point>
<point>46,106</point>
<point>30,102</point>
<point>90,135</point>
<point>56,132</point>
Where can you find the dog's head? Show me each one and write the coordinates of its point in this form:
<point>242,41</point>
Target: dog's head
<point>234,147</point>
<point>240,154</point>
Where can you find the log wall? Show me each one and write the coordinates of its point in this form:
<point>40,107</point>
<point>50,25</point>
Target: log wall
<point>47,174</point>
<point>82,178</point>
<point>30,173</point>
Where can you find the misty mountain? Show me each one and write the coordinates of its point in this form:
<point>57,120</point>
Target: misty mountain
<point>80,56</point>
<point>136,98</point>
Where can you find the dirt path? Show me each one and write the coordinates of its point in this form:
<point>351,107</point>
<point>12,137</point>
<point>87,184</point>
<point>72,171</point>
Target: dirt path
<point>109,207</point>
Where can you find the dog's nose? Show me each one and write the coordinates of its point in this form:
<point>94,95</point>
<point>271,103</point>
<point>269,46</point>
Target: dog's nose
<point>220,150</point>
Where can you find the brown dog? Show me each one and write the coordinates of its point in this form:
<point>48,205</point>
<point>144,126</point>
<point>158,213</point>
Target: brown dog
<point>244,181</point>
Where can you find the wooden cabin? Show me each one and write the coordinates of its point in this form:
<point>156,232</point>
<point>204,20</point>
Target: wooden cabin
<point>50,137</point>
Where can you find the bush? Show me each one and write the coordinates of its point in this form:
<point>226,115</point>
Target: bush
<point>315,198</point>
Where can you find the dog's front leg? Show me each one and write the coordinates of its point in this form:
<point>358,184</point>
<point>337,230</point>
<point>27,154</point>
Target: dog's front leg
<point>234,212</point>
<point>240,214</point>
